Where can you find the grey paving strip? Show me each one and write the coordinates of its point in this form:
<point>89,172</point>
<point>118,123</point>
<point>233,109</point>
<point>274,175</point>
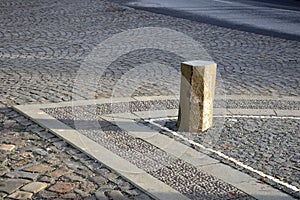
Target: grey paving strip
<point>258,106</point>
<point>205,162</point>
<point>256,97</point>
<point>230,176</point>
<point>139,177</point>
<point>176,180</point>
<point>132,150</point>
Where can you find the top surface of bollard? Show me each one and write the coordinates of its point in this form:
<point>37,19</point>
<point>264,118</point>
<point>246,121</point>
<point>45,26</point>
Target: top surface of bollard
<point>199,63</point>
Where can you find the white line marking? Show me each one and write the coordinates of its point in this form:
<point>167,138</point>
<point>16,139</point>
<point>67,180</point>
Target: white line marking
<point>294,188</point>
<point>259,116</point>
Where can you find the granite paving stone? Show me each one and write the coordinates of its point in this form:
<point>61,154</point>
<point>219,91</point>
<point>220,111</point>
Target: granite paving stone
<point>100,180</point>
<point>116,195</point>
<point>21,195</point>
<point>34,187</point>
<point>69,196</point>
<point>41,168</point>
<point>21,174</point>
<point>7,147</point>
<point>10,185</point>
<point>62,187</point>
<point>90,198</point>
<point>59,172</point>
<point>47,179</point>
<point>45,194</point>
<point>100,195</point>
<point>81,193</point>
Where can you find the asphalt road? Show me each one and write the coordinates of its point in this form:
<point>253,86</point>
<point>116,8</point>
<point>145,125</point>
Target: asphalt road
<point>269,17</point>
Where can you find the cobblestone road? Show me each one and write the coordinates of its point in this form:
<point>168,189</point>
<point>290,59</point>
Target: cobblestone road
<point>36,164</point>
<point>42,44</point>
<point>253,142</point>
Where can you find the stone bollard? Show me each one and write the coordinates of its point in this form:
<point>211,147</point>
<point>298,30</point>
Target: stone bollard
<point>197,89</point>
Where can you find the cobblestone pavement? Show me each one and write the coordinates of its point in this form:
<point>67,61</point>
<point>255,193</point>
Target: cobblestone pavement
<point>36,164</point>
<point>42,44</point>
<point>180,175</point>
<point>252,141</point>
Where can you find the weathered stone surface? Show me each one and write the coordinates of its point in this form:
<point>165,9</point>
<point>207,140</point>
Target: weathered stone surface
<point>72,177</point>
<point>52,160</point>
<point>41,168</point>
<point>34,187</point>
<point>7,147</point>
<point>196,96</point>
<point>46,179</point>
<point>21,174</point>
<point>3,170</point>
<point>20,164</point>
<point>11,185</point>
<point>99,180</point>
<point>69,196</point>
<point>16,141</point>
<point>87,186</point>
<point>124,185</point>
<point>107,187</point>
<point>47,194</point>
<point>81,193</point>
<point>9,123</point>
<point>45,134</point>
<point>59,172</point>
<point>133,192</point>
<point>90,198</point>
<point>112,177</point>
<point>21,195</point>
<point>116,195</point>
<point>62,187</point>
<point>100,195</point>
<point>142,197</point>
<point>2,195</point>
<point>41,152</point>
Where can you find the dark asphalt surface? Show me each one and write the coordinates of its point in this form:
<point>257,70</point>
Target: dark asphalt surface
<point>267,17</point>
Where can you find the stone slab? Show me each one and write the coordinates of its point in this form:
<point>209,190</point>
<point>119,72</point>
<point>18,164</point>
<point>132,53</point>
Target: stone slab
<point>10,185</point>
<point>256,97</point>
<point>34,187</point>
<point>291,113</point>
<point>140,178</point>
<point>21,195</point>
<point>157,114</point>
<point>7,147</point>
<point>244,182</point>
<point>260,112</point>
<point>21,174</point>
<point>62,187</point>
<point>152,98</point>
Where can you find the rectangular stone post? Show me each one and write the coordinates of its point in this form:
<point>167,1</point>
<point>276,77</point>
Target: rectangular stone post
<point>197,91</point>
